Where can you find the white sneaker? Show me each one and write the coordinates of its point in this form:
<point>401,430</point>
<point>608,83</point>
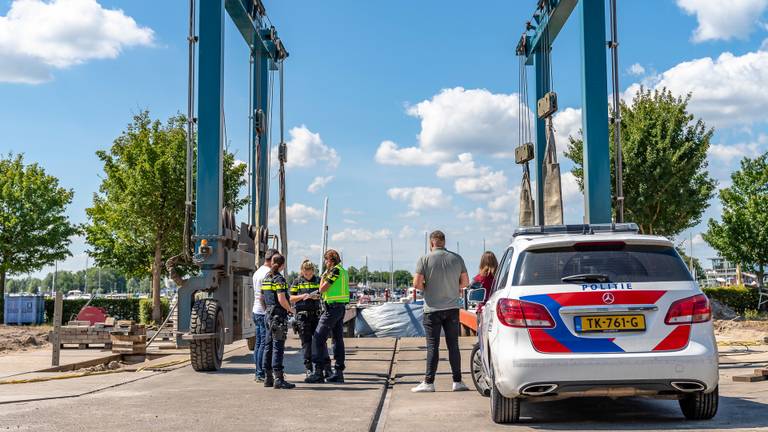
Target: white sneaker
<point>423,388</point>
<point>460,386</point>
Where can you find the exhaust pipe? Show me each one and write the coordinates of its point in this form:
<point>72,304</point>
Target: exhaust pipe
<point>687,386</point>
<point>539,389</point>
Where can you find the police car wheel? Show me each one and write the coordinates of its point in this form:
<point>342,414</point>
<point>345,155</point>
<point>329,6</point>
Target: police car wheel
<point>700,406</point>
<point>503,409</point>
<point>478,375</point>
<point>207,317</point>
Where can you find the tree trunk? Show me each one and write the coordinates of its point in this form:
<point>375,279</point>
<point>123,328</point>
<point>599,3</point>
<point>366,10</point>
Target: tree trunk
<point>157,312</point>
<point>2,284</point>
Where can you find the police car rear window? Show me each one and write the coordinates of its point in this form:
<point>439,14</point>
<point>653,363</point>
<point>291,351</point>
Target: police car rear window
<point>619,262</point>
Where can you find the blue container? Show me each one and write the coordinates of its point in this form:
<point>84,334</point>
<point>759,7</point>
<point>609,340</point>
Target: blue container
<point>24,309</point>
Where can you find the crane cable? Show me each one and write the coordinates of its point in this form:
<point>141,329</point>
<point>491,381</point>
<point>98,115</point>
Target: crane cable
<point>526,216</point>
<point>552,188</point>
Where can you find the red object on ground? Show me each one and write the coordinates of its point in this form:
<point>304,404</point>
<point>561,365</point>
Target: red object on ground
<point>92,314</point>
<point>468,319</point>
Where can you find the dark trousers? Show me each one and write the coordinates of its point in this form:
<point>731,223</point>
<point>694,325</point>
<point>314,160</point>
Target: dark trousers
<point>273,352</point>
<point>307,321</point>
<point>331,323</point>
<point>448,322</point>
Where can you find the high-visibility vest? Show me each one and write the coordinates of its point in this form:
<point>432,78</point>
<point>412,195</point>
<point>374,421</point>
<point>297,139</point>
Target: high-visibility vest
<point>339,290</point>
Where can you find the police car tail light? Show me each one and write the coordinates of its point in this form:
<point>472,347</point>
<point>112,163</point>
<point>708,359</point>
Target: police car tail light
<point>519,313</point>
<point>689,310</point>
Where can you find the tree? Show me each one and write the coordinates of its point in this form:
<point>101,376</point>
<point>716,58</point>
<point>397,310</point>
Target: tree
<point>34,229</point>
<point>666,183</point>
<point>742,236</point>
<point>698,271</point>
<point>137,218</point>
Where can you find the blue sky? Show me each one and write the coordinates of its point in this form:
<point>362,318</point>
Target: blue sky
<point>381,96</point>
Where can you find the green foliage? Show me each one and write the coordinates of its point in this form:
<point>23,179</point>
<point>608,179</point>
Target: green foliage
<point>698,270</point>
<point>738,298</point>
<point>34,228</point>
<point>137,218</point>
<point>666,183</point>
<point>145,310</point>
<point>742,236</point>
<point>126,309</point>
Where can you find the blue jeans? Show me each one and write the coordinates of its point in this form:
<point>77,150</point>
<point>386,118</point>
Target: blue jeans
<point>261,339</point>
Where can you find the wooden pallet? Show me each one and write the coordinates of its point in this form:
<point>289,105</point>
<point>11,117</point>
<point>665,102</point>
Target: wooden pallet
<point>758,375</point>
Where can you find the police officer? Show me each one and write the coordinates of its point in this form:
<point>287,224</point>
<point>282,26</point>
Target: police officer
<point>305,296</point>
<point>274,289</point>
<point>334,286</point>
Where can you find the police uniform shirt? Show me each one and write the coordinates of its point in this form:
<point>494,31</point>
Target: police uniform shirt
<point>300,286</point>
<point>331,275</point>
<point>272,286</point>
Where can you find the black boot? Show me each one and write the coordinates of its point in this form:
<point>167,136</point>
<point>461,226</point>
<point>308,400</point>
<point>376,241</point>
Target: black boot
<point>281,383</point>
<point>337,377</point>
<point>307,373</point>
<point>316,377</point>
<point>327,371</point>
<point>269,379</point>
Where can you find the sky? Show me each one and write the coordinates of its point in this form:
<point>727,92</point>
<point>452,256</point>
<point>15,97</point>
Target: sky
<point>404,114</point>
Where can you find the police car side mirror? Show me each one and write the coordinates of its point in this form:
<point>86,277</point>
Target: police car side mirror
<point>476,295</point>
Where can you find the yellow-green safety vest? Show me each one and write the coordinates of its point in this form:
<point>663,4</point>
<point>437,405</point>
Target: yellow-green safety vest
<point>339,290</point>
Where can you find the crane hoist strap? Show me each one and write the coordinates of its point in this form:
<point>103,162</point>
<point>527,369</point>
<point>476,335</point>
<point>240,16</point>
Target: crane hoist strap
<point>526,217</point>
<point>553,196</point>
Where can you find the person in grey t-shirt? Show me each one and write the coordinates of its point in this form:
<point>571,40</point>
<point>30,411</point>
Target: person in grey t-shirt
<point>441,275</point>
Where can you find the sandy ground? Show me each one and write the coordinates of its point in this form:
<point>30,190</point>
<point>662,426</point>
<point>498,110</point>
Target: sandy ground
<point>741,332</point>
<point>23,338</point>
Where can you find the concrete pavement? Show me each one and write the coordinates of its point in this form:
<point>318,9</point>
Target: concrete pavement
<point>182,399</point>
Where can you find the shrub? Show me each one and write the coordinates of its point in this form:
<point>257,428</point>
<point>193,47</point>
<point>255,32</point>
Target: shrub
<point>123,309</point>
<point>145,310</point>
<point>738,298</point>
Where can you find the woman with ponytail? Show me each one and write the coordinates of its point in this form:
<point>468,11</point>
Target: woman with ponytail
<point>274,290</point>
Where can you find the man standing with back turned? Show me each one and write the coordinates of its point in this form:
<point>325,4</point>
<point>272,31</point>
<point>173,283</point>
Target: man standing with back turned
<point>441,275</point>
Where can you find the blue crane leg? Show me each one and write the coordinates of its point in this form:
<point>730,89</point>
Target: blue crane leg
<point>209,197</point>
<point>597,175</point>
<point>261,92</point>
<point>542,87</point>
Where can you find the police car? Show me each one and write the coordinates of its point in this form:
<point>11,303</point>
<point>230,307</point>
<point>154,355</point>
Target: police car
<point>594,310</point>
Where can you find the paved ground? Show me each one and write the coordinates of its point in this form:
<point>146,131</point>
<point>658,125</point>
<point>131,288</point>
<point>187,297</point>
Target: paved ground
<point>181,399</point>
<point>24,361</point>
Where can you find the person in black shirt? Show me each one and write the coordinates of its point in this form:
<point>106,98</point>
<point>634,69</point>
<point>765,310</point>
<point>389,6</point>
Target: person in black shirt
<point>274,290</point>
<point>305,296</point>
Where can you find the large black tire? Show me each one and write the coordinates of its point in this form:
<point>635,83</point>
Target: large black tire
<point>251,343</point>
<point>700,406</point>
<point>207,317</point>
<point>504,410</point>
<point>478,374</point>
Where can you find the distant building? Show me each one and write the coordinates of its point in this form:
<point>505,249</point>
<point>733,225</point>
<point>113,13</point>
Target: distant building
<point>722,273</point>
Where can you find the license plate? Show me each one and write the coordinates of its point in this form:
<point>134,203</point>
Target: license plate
<point>609,323</point>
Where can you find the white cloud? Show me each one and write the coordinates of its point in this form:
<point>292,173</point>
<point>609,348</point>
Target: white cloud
<point>420,197</point>
<point>481,186</point>
<point>406,232</point>
<point>350,221</point>
<point>306,149</point>
<point>464,167</point>
<point>360,235</point>
<point>389,153</point>
<point>37,37</point>
<point>636,69</point>
<point>726,91</point>
<point>572,196</point>
<point>728,153</point>
<point>456,119</point>
<point>567,123</point>
<point>351,212</point>
<point>509,200</point>
<point>723,20</point>
<point>297,213</point>
<point>319,183</point>
<point>483,216</point>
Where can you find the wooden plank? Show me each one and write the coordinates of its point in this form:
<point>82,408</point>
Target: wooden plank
<point>749,378</point>
<point>58,306</point>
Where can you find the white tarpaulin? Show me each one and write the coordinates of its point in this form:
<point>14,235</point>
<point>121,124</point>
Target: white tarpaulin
<point>553,196</point>
<point>390,320</point>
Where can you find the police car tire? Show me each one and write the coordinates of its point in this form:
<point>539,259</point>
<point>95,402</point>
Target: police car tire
<point>700,406</point>
<point>251,343</point>
<point>207,317</point>
<point>478,377</point>
<point>503,409</point>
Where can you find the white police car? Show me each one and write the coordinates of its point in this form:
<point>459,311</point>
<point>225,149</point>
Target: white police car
<point>594,310</point>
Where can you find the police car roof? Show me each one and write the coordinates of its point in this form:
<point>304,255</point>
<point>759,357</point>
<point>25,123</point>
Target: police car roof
<point>567,235</point>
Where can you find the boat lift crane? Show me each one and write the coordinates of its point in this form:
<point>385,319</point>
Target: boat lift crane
<point>215,305</point>
<point>536,42</point>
